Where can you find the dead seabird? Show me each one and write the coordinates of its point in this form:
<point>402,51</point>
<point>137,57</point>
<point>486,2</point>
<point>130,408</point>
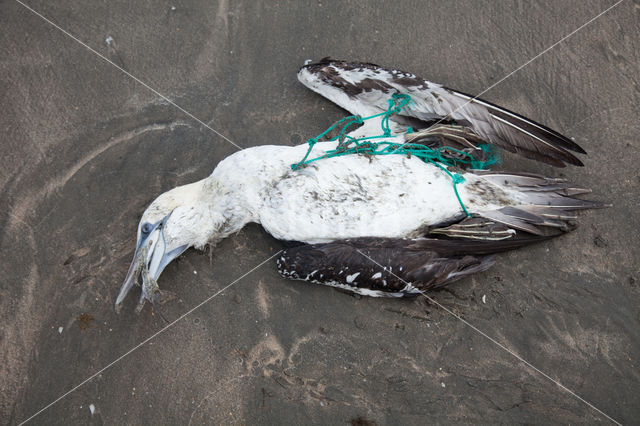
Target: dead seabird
<point>380,225</point>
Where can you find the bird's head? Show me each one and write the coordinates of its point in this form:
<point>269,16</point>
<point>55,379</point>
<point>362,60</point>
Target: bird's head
<point>165,231</point>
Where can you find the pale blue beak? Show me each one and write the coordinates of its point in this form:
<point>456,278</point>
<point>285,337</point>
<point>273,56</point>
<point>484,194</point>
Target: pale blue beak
<point>151,257</point>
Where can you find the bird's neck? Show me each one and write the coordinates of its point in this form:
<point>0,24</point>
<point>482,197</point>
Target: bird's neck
<point>219,211</point>
<point>234,192</point>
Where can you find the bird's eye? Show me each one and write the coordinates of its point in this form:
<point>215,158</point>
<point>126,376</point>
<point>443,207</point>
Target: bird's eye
<point>146,228</point>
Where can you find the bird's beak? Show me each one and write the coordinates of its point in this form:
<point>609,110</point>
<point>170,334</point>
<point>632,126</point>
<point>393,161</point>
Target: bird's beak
<point>149,259</point>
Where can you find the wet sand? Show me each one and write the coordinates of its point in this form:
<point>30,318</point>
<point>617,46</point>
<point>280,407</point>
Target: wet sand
<point>85,148</point>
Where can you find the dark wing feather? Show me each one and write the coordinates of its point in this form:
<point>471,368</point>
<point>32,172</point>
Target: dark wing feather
<point>384,266</point>
<point>377,266</point>
<point>363,88</point>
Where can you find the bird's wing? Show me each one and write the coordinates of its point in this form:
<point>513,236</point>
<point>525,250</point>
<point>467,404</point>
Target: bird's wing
<point>364,89</point>
<point>377,266</point>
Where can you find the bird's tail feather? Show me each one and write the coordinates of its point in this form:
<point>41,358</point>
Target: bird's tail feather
<point>545,209</point>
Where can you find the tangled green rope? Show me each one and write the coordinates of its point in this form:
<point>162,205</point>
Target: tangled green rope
<point>348,145</point>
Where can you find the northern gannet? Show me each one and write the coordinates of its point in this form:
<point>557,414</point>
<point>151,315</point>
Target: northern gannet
<point>398,210</point>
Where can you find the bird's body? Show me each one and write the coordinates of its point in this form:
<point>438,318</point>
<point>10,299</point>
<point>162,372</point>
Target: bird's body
<point>341,197</point>
<point>360,216</point>
<point>348,196</point>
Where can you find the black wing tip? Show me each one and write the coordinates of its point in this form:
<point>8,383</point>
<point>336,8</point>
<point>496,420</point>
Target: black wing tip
<point>577,148</point>
<point>559,141</point>
<point>552,136</point>
<point>545,144</point>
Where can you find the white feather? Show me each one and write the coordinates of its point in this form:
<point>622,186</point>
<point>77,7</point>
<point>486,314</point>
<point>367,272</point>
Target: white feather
<point>339,197</point>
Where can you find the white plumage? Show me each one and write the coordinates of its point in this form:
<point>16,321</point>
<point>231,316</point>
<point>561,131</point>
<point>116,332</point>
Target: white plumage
<point>341,197</point>
<point>354,196</point>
